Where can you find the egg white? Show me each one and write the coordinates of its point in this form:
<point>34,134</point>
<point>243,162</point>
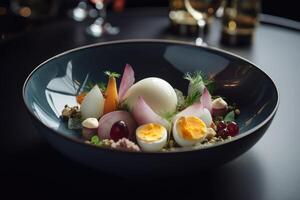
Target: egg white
<point>157,93</point>
<point>152,146</point>
<point>205,116</point>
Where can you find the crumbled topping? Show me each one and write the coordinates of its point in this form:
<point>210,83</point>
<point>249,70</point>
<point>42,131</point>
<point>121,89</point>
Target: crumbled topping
<point>71,112</point>
<point>210,133</point>
<point>219,103</point>
<point>125,145</point>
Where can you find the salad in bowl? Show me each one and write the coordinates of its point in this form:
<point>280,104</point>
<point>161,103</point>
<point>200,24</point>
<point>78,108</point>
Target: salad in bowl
<point>149,115</point>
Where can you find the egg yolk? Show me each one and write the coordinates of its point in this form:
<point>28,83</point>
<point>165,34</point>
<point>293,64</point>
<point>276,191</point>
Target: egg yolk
<point>150,132</point>
<point>191,128</point>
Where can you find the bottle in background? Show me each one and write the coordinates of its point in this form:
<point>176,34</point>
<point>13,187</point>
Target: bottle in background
<point>239,21</point>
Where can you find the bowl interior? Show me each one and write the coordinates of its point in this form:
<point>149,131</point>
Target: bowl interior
<point>55,83</point>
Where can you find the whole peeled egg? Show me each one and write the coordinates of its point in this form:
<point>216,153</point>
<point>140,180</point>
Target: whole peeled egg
<point>157,93</point>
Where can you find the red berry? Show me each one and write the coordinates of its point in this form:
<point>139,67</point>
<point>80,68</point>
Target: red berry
<point>221,125</point>
<point>224,133</point>
<point>233,128</point>
<point>119,130</point>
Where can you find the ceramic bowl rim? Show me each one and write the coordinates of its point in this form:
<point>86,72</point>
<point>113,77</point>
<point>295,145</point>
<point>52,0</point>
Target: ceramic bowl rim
<point>180,149</point>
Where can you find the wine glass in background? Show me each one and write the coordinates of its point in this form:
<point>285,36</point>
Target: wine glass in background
<point>80,12</point>
<point>193,17</point>
<point>100,25</point>
<point>202,11</point>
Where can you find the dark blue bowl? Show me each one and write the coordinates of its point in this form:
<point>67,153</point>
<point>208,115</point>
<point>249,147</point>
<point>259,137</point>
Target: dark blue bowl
<point>51,85</point>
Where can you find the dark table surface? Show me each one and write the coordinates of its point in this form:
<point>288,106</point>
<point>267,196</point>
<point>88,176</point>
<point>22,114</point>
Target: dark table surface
<point>29,166</point>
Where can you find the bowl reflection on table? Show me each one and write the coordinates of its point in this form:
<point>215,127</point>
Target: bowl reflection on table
<point>55,83</point>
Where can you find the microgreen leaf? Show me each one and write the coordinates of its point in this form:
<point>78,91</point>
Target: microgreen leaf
<point>112,74</point>
<point>95,140</point>
<point>195,77</point>
<point>90,85</point>
<point>210,85</point>
<point>229,117</point>
<point>169,115</point>
<point>102,86</point>
<point>180,99</point>
<point>191,99</point>
<point>124,106</point>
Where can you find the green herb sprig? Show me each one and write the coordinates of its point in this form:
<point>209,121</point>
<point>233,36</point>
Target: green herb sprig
<point>197,82</point>
<point>95,140</point>
<point>112,74</point>
<point>169,115</point>
<point>90,85</point>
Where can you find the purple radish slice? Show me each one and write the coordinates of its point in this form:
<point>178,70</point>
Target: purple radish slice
<point>205,99</point>
<point>126,81</point>
<point>143,114</point>
<point>196,110</point>
<point>108,120</point>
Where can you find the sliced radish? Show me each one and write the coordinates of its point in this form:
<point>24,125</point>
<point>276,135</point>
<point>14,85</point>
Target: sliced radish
<point>106,122</point>
<point>205,99</point>
<point>196,109</point>
<point>143,114</point>
<point>126,82</point>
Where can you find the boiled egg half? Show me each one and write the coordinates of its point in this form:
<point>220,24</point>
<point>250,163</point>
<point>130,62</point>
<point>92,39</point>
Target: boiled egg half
<point>189,130</point>
<point>151,137</point>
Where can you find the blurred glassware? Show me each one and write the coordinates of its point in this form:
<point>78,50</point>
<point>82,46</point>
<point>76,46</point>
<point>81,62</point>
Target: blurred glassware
<point>192,17</point>
<point>201,21</point>
<point>80,12</point>
<point>220,11</point>
<point>35,9</point>
<point>239,21</point>
<point>100,25</point>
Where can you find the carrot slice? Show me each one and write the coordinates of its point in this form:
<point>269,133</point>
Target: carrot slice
<point>80,97</point>
<point>111,93</point>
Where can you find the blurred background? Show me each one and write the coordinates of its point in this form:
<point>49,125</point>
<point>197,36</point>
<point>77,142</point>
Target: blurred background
<point>19,16</point>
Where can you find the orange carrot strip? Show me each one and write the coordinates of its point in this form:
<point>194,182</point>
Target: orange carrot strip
<point>111,94</point>
<point>80,97</point>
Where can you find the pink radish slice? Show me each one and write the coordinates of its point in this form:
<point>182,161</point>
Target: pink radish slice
<point>106,122</point>
<point>196,109</point>
<point>143,114</point>
<point>205,99</point>
<point>126,82</point>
